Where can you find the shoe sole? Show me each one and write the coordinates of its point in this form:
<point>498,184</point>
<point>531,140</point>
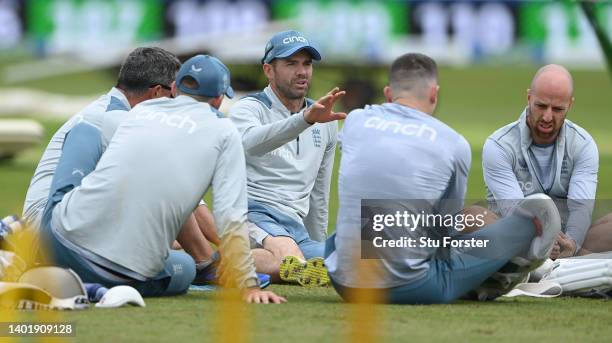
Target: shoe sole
<point>311,273</point>
<point>543,207</point>
<point>518,268</point>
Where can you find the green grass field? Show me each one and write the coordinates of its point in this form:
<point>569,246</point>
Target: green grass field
<point>475,102</point>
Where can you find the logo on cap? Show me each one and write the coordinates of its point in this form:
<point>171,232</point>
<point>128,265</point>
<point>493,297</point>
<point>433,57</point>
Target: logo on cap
<point>286,43</point>
<point>211,75</point>
<point>294,39</point>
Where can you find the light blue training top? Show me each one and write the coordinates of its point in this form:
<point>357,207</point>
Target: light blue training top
<point>289,162</point>
<point>392,151</point>
<point>543,161</point>
<point>514,167</point>
<point>94,114</point>
<point>158,165</point>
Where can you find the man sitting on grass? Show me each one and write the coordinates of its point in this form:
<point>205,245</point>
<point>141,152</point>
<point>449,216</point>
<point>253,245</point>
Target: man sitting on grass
<point>543,152</point>
<point>113,218</point>
<point>399,151</point>
<point>146,73</point>
<point>290,143</point>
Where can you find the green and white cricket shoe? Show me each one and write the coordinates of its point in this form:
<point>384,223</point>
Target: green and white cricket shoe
<point>518,268</point>
<point>310,273</point>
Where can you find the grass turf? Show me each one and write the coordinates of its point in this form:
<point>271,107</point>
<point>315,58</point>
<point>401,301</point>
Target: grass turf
<point>319,315</point>
<point>475,102</point>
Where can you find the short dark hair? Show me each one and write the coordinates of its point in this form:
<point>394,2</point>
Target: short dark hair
<point>412,71</point>
<point>145,67</point>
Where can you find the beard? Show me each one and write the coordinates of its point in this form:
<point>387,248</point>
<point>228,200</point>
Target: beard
<point>542,130</point>
<point>288,92</point>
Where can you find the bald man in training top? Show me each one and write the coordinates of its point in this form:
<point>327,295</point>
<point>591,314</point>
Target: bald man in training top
<point>543,152</point>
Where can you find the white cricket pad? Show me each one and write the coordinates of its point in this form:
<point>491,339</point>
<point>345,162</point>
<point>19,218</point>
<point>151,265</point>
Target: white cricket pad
<point>544,289</point>
<point>588,277</point>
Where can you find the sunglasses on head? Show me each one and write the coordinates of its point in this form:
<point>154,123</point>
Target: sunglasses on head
<point>168,88</point>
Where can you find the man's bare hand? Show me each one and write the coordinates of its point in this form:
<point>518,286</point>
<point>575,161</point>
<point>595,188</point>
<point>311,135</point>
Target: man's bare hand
<point>564,247</point>
<point>258,296</point>
<point>556,250</point>
<point>322,110</point>
<point>567,245</point>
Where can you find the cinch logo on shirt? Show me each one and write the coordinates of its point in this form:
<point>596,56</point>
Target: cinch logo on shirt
<point>172,120</point>
<point>421,131</point>
<point>316,137</point>
<point>282,152</point>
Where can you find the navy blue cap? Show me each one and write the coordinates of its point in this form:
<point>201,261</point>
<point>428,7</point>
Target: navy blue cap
<point>287,43</point>
<point>212,76</point>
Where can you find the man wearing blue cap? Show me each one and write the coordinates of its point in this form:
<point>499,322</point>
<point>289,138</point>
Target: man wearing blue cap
<point>146,73</point>
<point>289,142</point>
<point>158,165</point>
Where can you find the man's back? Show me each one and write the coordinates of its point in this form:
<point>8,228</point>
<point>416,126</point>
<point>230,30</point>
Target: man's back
<point>158,165</point>
<point>391,151</point>
<point>38,191</point>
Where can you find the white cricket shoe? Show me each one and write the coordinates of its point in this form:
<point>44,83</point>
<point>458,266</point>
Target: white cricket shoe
<point>517,269</point>
<point>542,207</point>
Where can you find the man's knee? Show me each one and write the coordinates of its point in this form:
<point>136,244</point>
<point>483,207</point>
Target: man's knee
<point>599,237</point>
<point>312,249</point>
<point>482,217</point>
<point>182,271</point>
<point>605,220</point>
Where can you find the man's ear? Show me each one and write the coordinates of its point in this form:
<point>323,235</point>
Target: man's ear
<point>173,89</point>
<point>153,92</point>
<point>388,92</point>
<point>571,104</point>
<point>216,102</point>
<point>528,95</point>
<point>433,94</point>
<point>268,70</point>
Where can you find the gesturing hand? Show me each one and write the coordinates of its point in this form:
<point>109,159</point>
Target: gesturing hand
<point>322,110</point>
